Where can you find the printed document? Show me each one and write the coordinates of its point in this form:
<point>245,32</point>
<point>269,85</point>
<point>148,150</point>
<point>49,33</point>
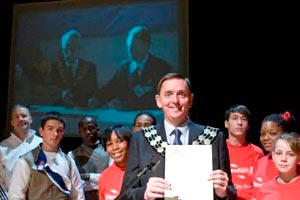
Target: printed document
<point>187,168</point>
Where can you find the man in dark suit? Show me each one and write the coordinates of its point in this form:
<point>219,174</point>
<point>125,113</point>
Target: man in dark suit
<point>134,84</point>
<point>74,78</point>
<point>175,98</point>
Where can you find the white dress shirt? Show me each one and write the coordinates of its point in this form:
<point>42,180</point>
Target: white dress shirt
<point>58,164</point>
<point>183,128</point>
<point>10,150</point>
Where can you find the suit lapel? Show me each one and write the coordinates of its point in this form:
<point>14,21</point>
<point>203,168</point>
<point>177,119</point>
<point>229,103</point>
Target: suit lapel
<point>162,132</point>
<point>194,131</point>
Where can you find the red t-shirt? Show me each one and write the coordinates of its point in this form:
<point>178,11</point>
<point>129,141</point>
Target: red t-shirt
<point>242,161</point>
<point>110,182</point>
<point>264,171</point>
<point>273,190</point>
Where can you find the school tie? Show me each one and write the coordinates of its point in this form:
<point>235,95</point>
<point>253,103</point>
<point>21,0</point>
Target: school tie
<point>41,165</point>
<point>177,134</point>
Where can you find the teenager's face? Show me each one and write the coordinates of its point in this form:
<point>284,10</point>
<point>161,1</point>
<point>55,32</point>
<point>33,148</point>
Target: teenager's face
<point>142,121</point>
<point>52,134</point>
<point>286,161</point>
<point>269,131</point>
<point>237,124</point>
<point>88,131</point>
<point>117,148</point>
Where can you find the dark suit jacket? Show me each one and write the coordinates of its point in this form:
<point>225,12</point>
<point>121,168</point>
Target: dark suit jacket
<point>82,85</point>
<point>141,153</point>
<point>135,91</point>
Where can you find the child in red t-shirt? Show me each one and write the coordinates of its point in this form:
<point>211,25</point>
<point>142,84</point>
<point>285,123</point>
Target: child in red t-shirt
<point>243,155</point>
<point>286,157</point>
<point>116,140</point>
<point>272,126</point>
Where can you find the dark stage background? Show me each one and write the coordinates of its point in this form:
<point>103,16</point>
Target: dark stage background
<point>238,54</point>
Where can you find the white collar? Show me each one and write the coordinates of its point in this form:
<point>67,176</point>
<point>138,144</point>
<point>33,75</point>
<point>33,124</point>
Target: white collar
<point>169,127</point>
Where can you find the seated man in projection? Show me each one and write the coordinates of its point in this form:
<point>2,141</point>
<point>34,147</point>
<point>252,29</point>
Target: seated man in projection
<point>133,86</point>
<point>73,77</point>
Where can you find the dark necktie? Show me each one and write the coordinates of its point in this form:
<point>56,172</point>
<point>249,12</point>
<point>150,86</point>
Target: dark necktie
<point>177,134</point>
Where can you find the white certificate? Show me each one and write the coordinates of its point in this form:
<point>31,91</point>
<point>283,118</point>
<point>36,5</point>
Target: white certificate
<point>187,168</point>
